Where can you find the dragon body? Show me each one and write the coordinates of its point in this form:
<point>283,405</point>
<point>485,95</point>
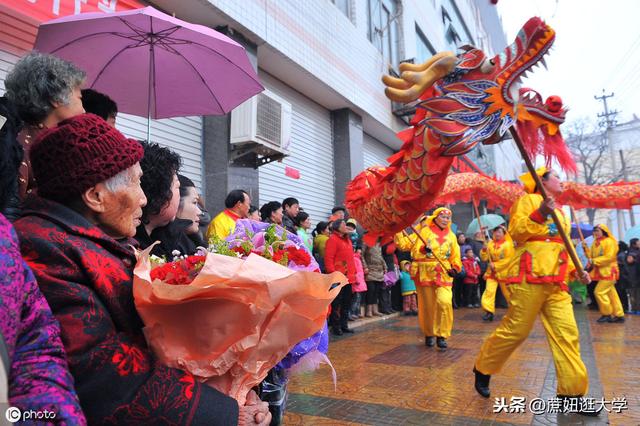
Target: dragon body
<point>460,101</point>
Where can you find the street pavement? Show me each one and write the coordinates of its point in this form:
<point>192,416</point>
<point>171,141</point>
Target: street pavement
<point>386,376</point>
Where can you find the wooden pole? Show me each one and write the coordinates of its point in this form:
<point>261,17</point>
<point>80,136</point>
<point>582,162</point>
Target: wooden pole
<point>582,240</point>
<point>475,208</point>
<point>565,238</point>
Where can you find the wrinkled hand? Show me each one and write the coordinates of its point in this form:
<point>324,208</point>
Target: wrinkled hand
<point>547,207</point>
<point>255,412</point>
<point>452,273</point>
<point>585,278</point>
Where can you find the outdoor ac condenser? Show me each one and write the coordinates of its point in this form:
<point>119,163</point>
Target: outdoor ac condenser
<point>265,119</point>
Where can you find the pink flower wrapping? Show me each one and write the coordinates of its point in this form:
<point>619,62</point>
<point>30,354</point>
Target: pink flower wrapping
<point>235,321</point>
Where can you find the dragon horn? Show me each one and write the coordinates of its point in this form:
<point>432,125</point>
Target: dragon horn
<point>394,82</point>
<point>423,80</point>
<point>406,66</point>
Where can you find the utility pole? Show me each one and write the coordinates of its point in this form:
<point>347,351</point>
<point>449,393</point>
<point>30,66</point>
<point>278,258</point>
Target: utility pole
<point>609,123</point>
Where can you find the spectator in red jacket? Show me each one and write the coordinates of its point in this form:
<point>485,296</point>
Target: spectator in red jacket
<point>473,272</point>
<point>339,257</point>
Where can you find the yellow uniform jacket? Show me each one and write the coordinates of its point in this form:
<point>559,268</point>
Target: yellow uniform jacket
<point>603,254</point>
<point>425,269</point>
<point>500,254</point>
<point>540,257</point>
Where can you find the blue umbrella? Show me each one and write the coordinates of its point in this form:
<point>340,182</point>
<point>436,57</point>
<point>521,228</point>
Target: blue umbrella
<point>587,230</point>
<point>489,221</point>
<point>633,232</point>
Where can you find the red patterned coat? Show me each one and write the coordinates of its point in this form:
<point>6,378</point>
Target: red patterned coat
<point>86,277</point>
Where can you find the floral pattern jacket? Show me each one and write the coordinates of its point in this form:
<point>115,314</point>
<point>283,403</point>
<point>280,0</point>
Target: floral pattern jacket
<point>86,276</point>
<point>38,376</point>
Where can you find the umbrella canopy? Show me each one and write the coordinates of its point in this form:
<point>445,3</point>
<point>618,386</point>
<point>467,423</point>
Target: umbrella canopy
<point>633,232</point>
<point>154,65</point>
<point>489,221</point>
<point>587,230</point>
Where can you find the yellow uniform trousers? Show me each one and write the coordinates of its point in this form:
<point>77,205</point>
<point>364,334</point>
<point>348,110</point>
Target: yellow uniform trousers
<point>608,300</point>
<point>489,296</point>
<point>556,312</point>
<point>435,311</point>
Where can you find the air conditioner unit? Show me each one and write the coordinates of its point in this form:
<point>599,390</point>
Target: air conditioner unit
<point>264,121</point>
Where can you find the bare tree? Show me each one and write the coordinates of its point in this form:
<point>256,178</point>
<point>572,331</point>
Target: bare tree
<point>590,148</point>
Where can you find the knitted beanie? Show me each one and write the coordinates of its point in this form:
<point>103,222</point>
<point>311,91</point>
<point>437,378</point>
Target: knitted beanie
<point>79,153</point>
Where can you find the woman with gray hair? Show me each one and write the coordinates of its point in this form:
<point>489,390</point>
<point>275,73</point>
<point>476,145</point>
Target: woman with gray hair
<point>45,90</point>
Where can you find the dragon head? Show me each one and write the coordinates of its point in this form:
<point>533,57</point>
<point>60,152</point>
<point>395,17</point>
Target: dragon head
<point>471,98</point>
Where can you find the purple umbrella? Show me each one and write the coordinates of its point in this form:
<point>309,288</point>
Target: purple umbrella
<point>154,65</point>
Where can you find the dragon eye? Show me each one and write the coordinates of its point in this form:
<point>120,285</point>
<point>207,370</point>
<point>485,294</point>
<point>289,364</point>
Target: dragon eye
<point>491,62</point>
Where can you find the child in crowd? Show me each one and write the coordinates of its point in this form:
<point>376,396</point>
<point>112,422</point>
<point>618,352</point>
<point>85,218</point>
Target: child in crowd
<point>359,288</point>
<point>472,269</point>
<point>408,289</point>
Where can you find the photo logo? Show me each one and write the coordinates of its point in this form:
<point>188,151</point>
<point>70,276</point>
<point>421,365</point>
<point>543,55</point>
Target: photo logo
<point>13,414</point>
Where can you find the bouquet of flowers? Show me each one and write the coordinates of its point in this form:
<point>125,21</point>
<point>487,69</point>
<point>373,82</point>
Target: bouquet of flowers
<point>229,317</point>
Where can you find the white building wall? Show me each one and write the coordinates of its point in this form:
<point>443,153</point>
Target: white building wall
<point>375,153</point>
<point>317,36</point>
<point>311,154</point>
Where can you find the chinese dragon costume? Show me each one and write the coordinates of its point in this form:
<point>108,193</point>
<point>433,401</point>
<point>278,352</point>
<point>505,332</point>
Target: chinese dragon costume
<point>460,101</point>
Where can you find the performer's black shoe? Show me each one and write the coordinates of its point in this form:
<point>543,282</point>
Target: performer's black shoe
<point>604,318</point>
<point>429,341</point>
<point>336,331</point>
<point>586,413</point>
<point>488,316</point>
<point>441,342</point>
<point>482,383</point>
<point>616,319</point>
<point>346,330</point>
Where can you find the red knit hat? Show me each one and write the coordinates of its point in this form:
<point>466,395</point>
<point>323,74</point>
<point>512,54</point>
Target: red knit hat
<point>79,153</point>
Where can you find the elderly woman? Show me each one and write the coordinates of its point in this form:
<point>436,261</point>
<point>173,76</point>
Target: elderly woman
<point>36,376</point>
<point>76,237</point>
<point>45,90</point>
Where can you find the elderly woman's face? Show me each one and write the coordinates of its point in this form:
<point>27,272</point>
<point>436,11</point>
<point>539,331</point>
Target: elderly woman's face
<point>73,108</point>
<point>123,208</point>
<point>443,219</point>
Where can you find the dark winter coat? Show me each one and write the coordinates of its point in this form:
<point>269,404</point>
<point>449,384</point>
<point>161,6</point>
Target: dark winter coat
<point>171,237</point>
<point>86,276</point>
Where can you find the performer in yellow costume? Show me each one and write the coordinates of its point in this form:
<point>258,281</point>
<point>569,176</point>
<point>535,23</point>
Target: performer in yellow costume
<point>434,280</point>
<point>604,269</point>
<point>537,276</point>
<point>497,253</point>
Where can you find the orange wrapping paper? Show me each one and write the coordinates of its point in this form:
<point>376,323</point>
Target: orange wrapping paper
<point>235,321</point>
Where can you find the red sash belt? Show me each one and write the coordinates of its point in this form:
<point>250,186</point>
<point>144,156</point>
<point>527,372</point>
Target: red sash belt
<point>547,239</point>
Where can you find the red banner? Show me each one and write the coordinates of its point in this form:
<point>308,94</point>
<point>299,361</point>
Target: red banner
<point>19,19</point>
<point>44,10</point>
